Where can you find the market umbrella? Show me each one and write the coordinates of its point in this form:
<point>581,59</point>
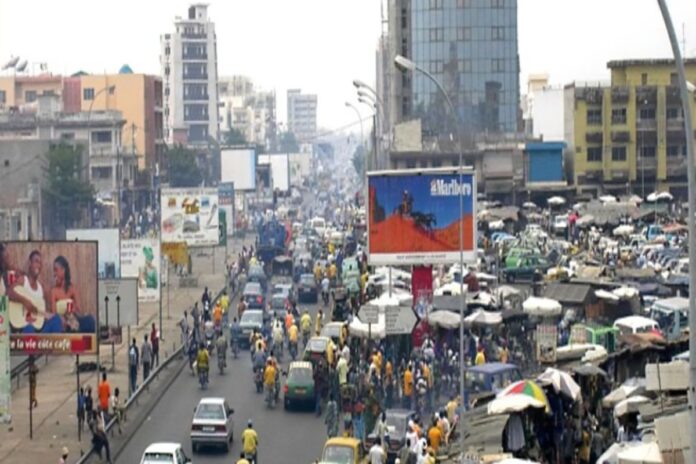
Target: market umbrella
<point>529,205</point>
<point>625,292</point>
<point>629,405</point>
<point>590,370</point>
<point>513,403</point>
<point>444,319</point>
<point>540,306</point>
<point>561,381</point>
<point>631,387</point>
<point>597,354</point>
<point>528,388</point>
<point>659,196</point>
<point>607,199</point>
<point>482,317</point>
<point>623,230</point>
<point>556,201</point>
<point>605,295</point>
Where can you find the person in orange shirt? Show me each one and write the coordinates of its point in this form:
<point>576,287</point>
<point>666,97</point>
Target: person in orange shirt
<point>408,387</point>
<point>217,315</point>
<point>104,392</point>
<point>435,436</point>
<point>289,321</point>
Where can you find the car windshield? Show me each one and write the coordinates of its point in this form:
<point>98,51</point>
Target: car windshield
<point>316,344</point>
<point>396,423</point>
<point>338,455</point>
<point>159,458</point>
<point>210,411</point>
<point>300,374</point>
<point>278,302</point>
<point>307,279</point>
<point>252,317</point>
<point>252,289</point>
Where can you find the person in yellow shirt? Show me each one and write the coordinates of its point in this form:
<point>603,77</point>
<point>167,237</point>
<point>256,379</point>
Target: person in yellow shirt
<point>250,440</point>
<point>269,375</point>
<point>408,388</point>
<point>306,325</point>
<point>504,354</point>
<point>377,357</point>
<point>330,353</point>
<point>224,302</point>
<point>333,270</point>
<point>318,273</point>
<point>331,248</point>
<point>480,357</point>
<point>293,334</point>
<point>435,436</point>
<point>452,408</point>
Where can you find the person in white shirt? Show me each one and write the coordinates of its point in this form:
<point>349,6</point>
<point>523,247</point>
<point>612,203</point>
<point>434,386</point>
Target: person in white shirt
<point>376,455</point>
<point>345,352</point>
<point>412,437</point>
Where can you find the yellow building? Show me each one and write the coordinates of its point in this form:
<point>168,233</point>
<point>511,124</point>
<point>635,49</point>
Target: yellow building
<point>139,98</point>
<point>629,136</point>
<point>17,91</point>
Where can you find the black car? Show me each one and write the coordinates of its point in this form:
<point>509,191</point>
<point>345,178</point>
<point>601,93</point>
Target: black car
<point>253,296</point>
<point>307,289</point>
<point>397,424</point>
<point>257,274</point>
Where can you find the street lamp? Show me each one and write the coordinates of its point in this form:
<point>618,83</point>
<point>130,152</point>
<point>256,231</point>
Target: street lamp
<point>373,105</point>
<point>685,91</point>
<point>407,65</point>
<point>357,111</point>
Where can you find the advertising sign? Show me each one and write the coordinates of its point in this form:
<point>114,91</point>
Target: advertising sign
<point>52,297</point>
<point>118,306</point>
<point>190,215</point>
<point>239,166</point>
<point>5,369</point>
<point>414,217</point>
<point>176,252</point>
<point>108,239</point>
<point>399,320</point>
<point>140,259</point>
<point>226,197</point>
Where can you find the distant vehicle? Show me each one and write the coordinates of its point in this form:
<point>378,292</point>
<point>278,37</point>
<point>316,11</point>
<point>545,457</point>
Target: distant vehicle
<point>560,223</point>
<point>339,450</point>
<point>636,325</point>
<point>332,330</point>
<point>257,274</point>
<point>299,385</point>
<point>672,316</point>
<point>284,289</point>
<point>529,268</point>
<point>307,289</point>
<point>397,423</point>
<point>250,320</point>
<point>488,379</point>
<point>279,305</point>
<point>253,296</point>
<point>165,453</point>
<point>318,224</point>
<point>212,424</point>
<point>605,336</point>
<point>316,349</point>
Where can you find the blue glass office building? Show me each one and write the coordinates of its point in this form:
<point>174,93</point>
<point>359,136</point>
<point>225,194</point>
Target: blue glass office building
<point>470,46</point>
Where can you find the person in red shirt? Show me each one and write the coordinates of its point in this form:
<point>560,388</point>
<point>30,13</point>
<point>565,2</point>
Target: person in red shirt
<point>104,393</point>
<point>154,340</point>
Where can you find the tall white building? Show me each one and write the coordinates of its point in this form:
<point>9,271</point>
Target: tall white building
<point>247,109</point>
<point>189,79</point>
<point>302,115</point>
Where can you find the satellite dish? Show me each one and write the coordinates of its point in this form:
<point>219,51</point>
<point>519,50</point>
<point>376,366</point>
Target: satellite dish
<point>11,64</point>
<point>21,66</point>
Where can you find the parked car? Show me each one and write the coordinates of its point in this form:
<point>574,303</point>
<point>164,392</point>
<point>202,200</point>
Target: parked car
<point>167,453</point>
<point>485,380</point>
<point>316,349</point>
<point>212,424</point>
<point>250,320</point>
<point>339,450</point>
<point>253,295</point>
<point>307,289</point>
<point>299,384</point>
<point>397,423</point>
<point>530,268</point>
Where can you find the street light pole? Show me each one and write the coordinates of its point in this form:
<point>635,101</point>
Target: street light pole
<point>374,157</point>
<point>689,132</point>
<point>357,111</point>
<point>408,65</point>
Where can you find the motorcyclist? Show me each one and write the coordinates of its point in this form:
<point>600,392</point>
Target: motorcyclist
<point>269,378</point>
<point>292,340</point>
<point>243,459</point>
<point>259,360</point>
<point>235,335</point>
<point>278,337</point>
<point>250,442</point>
<point>192,351</point>
<point>202,360</point>
<point>221,347</point>
<point>306,326</point>
<point>325,284</point>
<point>241,307</point>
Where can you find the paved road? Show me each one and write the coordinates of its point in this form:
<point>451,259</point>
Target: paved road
<point>285,437</point>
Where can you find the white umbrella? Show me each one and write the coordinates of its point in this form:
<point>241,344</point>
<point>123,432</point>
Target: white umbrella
<point>556,201</point>
<point>631,387</point>
<point>540,306</point>
<point>611,455</point>
<point>625,292</point>
<point>605,295</point>
<point>635,199</point>
<point>496,225</point>
<point>505,291</point>
<point>607,199</point>
<point>529,205</point>
<point>561,381</point>
<point>659,196</point>
<point>596,354</point>
<point>628,405</point>
<point>444,318</point>
<point>645,453</point>
<point>623,230</point>
<point>482,317</point>
<point>451,288</point>
<point>513,403</point>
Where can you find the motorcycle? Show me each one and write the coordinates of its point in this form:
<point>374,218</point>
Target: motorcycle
<point>251,457</point>
<point>271,396</point>
<point>305,338</point>
<point>325,297</point>
<point>235,348</point>
<point>203,378</point>
<point>292,348</point>
<point>278,350</point>
<point>222,363</point>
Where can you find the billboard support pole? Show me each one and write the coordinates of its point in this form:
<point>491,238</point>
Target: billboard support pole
<point>77,375</point>
<point>130,390</point>
<point>169,283</point>
<point>31,399</point>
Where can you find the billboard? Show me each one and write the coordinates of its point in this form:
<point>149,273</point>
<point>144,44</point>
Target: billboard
<point>109,259</point>
<point>226,197</point>
<point>5,366</point>
<point>280,170</point>
<point>52,296</point>
<point>176,253</point>
<point>190,215</point>
<point>140,259</point>
<point>118,306</point>
<point>414,216</point>
<point>239,167</point>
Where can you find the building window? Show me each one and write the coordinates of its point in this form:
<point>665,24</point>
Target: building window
<point>498,65</point>
<point>67,136</point>
<point>676,150</point>
<point>463,3</point>
<point>647,114</point>
<point>674,79</point>
<point>88,93</point>
<point>497,3</point>
<point>463,33</point>
<point>648,151</point>
<point>436,66</point>
<point>675,112</point>
<point>101,173</point>
<point>166,91</point>
<point>101,137</point>
<point>437,34</point>
<point>410,164</point>
<point>464,66</point>
<point>3,97</point>
<point>166,70</point>
<point>618,153</point>
<point>437,163</point>
<point>167,50</point>
<point>644,79</point>
<point>618,116</point>
<point>497,33</point>
<point>594,116</point>
<point>435,4</point>
<point>594,154</point>
<point>30,96</point>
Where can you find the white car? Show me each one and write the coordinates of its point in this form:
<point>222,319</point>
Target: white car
<point>165,453</point>
<point>212,424</point>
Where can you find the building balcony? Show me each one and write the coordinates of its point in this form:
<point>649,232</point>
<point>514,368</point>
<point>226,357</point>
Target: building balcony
<point>646,93</point>
<point>592,95</point>
<point>203,98</point>
<point>194,35</point>
<point>618,175</point>
<point>195,77</point>
<point>594,137</point>
<point>676,166</point>
<point>196,117</point>
<point>675,124</point>
<point>620,94</point>
<point>672,94</point>
<point>194,57</point>
<point>621,136</point>
<point>646,124</point>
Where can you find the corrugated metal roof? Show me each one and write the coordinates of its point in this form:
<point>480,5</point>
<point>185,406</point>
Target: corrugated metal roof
<point>569,293</point>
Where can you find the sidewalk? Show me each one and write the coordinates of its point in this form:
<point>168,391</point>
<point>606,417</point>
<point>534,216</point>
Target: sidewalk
<point>55,417</point>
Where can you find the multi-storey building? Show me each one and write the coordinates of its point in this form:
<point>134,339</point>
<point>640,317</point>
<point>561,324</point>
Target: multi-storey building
<point>629,135</point>
<point>302,115</point>
<point>189,78</point>
<point>251,111</point>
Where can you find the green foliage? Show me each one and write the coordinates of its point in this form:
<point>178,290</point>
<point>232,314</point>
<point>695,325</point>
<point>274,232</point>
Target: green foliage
<point>183,169</point>
<point>288,143</point>
<point>68,196</point>
<point>235,137</point>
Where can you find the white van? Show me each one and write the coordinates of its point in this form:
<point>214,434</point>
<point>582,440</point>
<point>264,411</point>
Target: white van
<point>635,325</point>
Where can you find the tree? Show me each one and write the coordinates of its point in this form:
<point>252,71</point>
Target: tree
<point>67,194</point>
<point>183,170</point>
<point>288,143</point>
<point>359,161</point>
<point>235,137</point>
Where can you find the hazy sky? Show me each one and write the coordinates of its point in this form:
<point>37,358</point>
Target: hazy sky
<point>322,45</point>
